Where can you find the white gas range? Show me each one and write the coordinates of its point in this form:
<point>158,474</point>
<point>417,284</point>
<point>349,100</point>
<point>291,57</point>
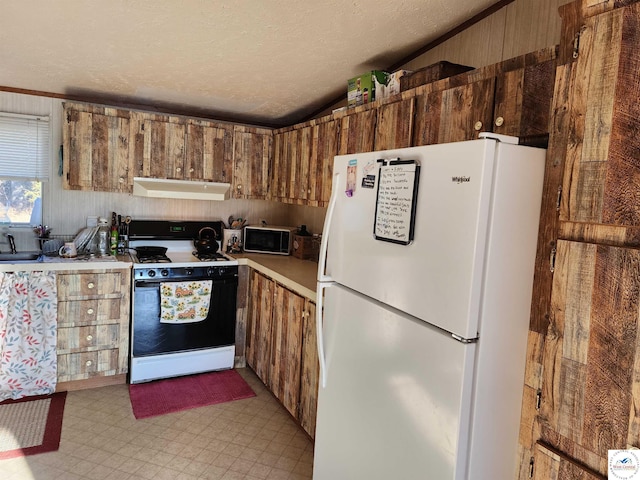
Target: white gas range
<point>184,304</point>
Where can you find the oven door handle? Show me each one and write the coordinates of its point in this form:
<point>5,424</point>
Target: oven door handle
<point>147,284</point>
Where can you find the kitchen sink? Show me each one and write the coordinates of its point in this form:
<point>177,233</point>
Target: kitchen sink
<point>20,256</point>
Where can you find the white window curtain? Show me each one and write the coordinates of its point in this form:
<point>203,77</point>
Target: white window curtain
<point>24,146</point>
<point>28,325</point>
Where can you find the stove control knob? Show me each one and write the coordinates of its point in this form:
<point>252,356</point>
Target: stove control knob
<point>189,271</point>
<point>152,273</point>
<point>164,272</point>
<point>211,272</point>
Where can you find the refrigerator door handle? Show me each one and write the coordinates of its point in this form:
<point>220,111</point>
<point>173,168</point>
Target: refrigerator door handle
<point>319,335</point>
<point>322,260</point>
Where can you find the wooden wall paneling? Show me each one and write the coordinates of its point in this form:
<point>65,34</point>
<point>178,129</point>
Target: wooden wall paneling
<point>394,125</point>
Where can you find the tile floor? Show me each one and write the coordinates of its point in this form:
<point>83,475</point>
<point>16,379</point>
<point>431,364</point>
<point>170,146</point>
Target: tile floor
<point>251,439</point>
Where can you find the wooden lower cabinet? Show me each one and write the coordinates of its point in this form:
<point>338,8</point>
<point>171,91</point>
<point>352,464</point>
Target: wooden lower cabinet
<point>281,347</point>
<point>93,323</point>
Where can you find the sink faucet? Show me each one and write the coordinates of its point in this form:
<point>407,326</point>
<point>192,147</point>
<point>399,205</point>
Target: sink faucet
<point>12,243</point>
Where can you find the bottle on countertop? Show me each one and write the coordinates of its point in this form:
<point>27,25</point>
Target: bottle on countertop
<point>302,231</point>
<point>114,240</point>
<point>102,242</point>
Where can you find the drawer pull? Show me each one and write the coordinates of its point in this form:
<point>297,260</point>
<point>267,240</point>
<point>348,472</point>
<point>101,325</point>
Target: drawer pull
<point>88,363</point>
<point>91,285</point>
<point>89,338</point>
<point>90,311</point>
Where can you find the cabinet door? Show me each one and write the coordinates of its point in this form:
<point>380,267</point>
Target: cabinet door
<point>286,351</point>
<point>96,152</point>
<point>602,172</point>
<point>209,152</point>
<point>164,148</point>
<point>251,162</point>
<point>523,100</point>
<point>310,371</point>
<point>324,147</point>
<point>259,325</point>
<point>455,114</point>
<point>357,132</point>
<point>394,125</point>
<point>591,364</point>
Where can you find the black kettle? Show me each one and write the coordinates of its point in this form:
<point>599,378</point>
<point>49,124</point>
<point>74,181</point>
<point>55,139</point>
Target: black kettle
<point>206,241</point>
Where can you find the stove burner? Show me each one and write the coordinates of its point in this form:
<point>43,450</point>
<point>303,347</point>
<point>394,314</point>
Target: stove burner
<point>153,259</point>
<point>208,257</point>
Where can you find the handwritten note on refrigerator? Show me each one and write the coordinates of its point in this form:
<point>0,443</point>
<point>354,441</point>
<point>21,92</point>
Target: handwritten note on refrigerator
<point>396,201</point>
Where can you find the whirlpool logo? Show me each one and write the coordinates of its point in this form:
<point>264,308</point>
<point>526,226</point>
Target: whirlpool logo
<point>460,179</point>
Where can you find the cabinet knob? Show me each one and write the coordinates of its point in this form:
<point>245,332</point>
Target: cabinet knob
<point>88,363</point>
<point>120,180</point>
<point>89,338</point>
<point>499,121</point>
<point>239,187</point>
<point>477,126</point>
<point>90,311</point>
<point>178,169</point>
<point>91,285</point>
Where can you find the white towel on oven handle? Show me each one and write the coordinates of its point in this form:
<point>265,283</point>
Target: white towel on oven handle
<point>185,302</point>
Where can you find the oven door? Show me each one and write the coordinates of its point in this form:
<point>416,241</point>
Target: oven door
<point>150,337</point>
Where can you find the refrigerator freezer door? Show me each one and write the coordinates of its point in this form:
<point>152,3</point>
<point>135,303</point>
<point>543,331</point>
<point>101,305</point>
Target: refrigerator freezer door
<point>438,277</point>
<point>395,391</point>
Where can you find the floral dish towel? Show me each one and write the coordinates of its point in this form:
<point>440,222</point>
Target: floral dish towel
<point>185,302</point>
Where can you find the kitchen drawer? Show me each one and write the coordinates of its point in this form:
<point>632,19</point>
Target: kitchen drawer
<point>80,366</point>
<point>93,337</point>
<point>89,312</point>
<point>89,285</point>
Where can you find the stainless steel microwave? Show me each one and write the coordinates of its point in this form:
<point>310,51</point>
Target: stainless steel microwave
<point>268,239</point>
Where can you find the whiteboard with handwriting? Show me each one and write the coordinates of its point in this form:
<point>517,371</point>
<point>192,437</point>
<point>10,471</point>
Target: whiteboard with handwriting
<point>396,201</point>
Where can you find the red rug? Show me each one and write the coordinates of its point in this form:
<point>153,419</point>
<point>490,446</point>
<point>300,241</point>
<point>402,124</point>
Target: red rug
<point>31,425</point>
<point>182,393</point>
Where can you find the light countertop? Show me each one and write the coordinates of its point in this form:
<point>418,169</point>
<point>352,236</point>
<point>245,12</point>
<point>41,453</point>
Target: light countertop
<point>45,263</point>
<point>295,274</point>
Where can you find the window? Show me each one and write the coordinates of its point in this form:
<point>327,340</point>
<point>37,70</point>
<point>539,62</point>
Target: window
<point>24,165</point>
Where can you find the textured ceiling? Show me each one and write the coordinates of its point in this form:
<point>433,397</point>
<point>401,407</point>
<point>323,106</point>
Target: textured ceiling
<point>257,61</point>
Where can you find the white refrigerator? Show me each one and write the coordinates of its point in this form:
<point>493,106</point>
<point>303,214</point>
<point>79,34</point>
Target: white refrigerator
<point>424,292</point>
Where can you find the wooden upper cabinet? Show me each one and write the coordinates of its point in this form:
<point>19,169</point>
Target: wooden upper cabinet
<point>454,114</point>
<point>96,149</point>
<point>602,168</point>
<point>523,100</point>
<point>209,151</point>
<point>324,146</point>
<point>251,162</point>
<point>357,132</point>
<point>394,125</point>
<point>164,148</point>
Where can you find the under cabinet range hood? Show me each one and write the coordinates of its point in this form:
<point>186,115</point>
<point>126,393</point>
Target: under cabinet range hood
<point>186,189</point>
